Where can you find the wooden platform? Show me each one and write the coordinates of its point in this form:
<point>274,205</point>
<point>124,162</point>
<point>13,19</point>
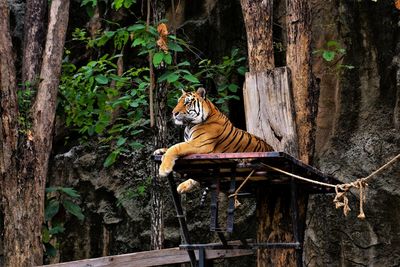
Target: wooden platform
<point>285,196</point>
<point>205,167</point>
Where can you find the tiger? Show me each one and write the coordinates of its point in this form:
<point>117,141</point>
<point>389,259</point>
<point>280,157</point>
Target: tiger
<point>207,131</point>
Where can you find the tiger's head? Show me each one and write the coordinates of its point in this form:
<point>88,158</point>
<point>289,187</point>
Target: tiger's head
<point>191,108</point>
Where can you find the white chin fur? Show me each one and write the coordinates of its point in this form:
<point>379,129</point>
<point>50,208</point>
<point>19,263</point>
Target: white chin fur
<point>177,122</point>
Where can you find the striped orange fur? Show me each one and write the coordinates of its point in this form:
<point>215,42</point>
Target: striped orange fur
<point>207,131</point>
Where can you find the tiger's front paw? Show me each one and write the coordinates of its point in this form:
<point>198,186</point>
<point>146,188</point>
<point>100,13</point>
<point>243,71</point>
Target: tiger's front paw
<point>165,168</point>
<point>160,151</point>
<point>187,186</point>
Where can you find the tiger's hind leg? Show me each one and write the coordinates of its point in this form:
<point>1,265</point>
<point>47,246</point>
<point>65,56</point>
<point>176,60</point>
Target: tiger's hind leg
<point>187,186</point>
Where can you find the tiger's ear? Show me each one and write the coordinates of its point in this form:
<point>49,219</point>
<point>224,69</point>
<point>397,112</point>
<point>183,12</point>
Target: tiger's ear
<point>183,92</point>
<point>201,92</point>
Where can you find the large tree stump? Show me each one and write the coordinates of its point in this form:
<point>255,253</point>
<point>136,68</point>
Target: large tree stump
<point>270,115</point>
<point>269,108</point>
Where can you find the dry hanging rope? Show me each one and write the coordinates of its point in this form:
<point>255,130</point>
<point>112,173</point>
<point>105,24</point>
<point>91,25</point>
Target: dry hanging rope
<point>235,195</point>
<point>341,199</point>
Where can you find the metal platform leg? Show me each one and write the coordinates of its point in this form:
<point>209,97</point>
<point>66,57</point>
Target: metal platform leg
<point>202,257</point>
<point>231,202</point>
<point>295,222</point>
<point>182,222</point>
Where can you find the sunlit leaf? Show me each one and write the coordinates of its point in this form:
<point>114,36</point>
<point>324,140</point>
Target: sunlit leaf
<point>328,55</point>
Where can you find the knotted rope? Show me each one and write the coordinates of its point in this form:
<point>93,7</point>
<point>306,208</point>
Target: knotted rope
<point>235,195</point>
<point>340,199</point>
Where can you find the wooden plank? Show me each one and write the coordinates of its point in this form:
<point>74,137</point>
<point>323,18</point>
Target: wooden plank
<point>269,109</point>
<point>152,258</point>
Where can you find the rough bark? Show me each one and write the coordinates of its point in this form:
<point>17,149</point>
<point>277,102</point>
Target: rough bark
<point>24,171</point>
<point>257,16</point>
<point>269,109</point>
<point>9,106</point>
<point>34,33</point>
<point>298,59</point>
<point>158,115</point>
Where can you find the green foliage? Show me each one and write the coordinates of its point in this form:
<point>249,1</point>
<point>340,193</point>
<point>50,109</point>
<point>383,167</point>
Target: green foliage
<point>223,75</point>
<point>25,96</point>
<point>333,51</point>
<point>59,202</point>
<point>97,102</point>
<point>132,193</point>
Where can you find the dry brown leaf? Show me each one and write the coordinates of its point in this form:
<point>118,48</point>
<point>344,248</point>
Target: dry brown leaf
<point>397,4</point>
<point>162,42</point>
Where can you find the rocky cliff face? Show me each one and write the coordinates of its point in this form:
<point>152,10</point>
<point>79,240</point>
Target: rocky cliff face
<point>358,131</point>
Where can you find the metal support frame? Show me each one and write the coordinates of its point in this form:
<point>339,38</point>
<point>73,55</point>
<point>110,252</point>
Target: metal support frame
<point>216,166</point>
<point>182,222</point>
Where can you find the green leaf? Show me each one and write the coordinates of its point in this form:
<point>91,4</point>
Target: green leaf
<point>242,70</point>
<point>111,158</point>
<point>118,4</point>
<point>73,209</point>
<point>172,77</point>
<point>157,58</point>
<point>109,34</point>
<point>136,27</point>
<point>138,41</point>
<point>51,251</point>
<point>328,55</point>
<point>184,63</point>
<point>128,3</point>
<point>168,58</point>
<point>175,47</point>
<point>70,192</point>
<point>191,78</point>
<point>332,43</point>
<point>121,141</point>
<point>136,145</point>
<point>51,209</point>
<point>85,2</point>
<point>56,230</point>
<point>45,235</point>
<point>233,88</point>
<point>164,76</point>
<point>51,189</point>
<point>101,79</point>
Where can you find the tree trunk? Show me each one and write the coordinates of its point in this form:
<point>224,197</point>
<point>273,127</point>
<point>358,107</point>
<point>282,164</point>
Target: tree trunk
<point>298,58</point>
<point>269,114</point>
<point>34,31</point>
<point>23,171</point>
<point>161,117</point>
<point>257,16</point>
